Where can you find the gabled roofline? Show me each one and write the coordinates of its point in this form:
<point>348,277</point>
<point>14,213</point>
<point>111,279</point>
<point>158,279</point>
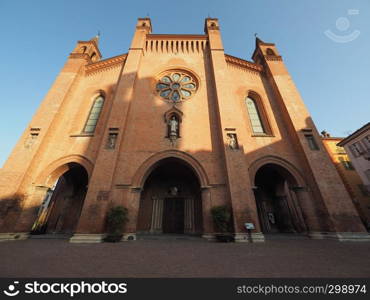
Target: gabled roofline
<point>105,63</point>
<point>260,42</point>
<point>355,134</point>
<point>243,63</point>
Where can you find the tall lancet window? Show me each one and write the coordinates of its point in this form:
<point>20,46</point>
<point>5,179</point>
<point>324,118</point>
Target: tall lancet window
<point>94,115</point>
<point>254,116</point>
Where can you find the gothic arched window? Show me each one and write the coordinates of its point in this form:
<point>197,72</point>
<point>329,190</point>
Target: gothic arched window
<point>94,114</point>
<point>254,116</point>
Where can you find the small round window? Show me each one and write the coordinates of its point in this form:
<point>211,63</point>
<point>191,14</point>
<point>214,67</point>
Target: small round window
<point>176,86</point>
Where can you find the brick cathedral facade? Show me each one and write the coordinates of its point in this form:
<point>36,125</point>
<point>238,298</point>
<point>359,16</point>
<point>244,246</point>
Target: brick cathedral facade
<point>169,130</point>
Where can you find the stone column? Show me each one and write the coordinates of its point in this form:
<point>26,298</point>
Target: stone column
<point>286,212</point>
<point>157,215</point>
<point>189,215</point>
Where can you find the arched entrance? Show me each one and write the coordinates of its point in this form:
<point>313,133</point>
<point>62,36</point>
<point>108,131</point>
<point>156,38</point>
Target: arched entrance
<point>171,199</point>
<point>62,205</point>
<point>277,204</point>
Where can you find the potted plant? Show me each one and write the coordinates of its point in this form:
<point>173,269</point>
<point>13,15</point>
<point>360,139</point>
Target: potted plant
<point>221,219</point>
<point>116,219</point>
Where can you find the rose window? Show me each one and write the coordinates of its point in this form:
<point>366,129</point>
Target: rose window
<point>176,86</point>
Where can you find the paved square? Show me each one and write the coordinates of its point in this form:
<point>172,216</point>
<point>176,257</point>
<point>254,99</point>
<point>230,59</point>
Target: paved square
<point>185,258</point>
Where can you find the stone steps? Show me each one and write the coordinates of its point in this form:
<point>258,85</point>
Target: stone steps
<point>169,237</point>
<point>285,236</point>
<point>51,236</point>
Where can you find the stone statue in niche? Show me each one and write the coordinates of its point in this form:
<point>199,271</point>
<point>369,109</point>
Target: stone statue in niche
<point>112,138</point>
<point>233,142</point>
<point>271,217</point>
<point>173,129</point>
<point>174,125</point>
<point>173,191</point>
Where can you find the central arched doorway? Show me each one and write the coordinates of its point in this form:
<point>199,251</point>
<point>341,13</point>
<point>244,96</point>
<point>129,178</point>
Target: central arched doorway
<point>61,208</point>
<point>170,202</point>
<point>277,204</point>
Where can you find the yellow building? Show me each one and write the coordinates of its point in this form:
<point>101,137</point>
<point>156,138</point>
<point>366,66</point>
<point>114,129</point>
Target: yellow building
<point>352,181</point>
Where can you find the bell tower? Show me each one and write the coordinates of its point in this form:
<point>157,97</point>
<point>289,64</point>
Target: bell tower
<point>331,197</point>
<point>26,157</point>
<point>88,50</point>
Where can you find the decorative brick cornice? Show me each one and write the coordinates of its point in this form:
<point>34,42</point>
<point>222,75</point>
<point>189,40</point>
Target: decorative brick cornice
<point>243,63</point>
<point>105,64</point>
<point>175,43</point>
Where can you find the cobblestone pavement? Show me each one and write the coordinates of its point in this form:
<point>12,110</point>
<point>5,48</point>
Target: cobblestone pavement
<point>185,258</point>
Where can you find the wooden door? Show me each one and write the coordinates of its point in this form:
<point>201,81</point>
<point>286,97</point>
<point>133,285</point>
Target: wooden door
<point>173,215</point>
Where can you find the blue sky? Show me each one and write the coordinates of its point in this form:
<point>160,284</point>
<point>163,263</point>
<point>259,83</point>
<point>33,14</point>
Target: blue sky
<point>332,77</point>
